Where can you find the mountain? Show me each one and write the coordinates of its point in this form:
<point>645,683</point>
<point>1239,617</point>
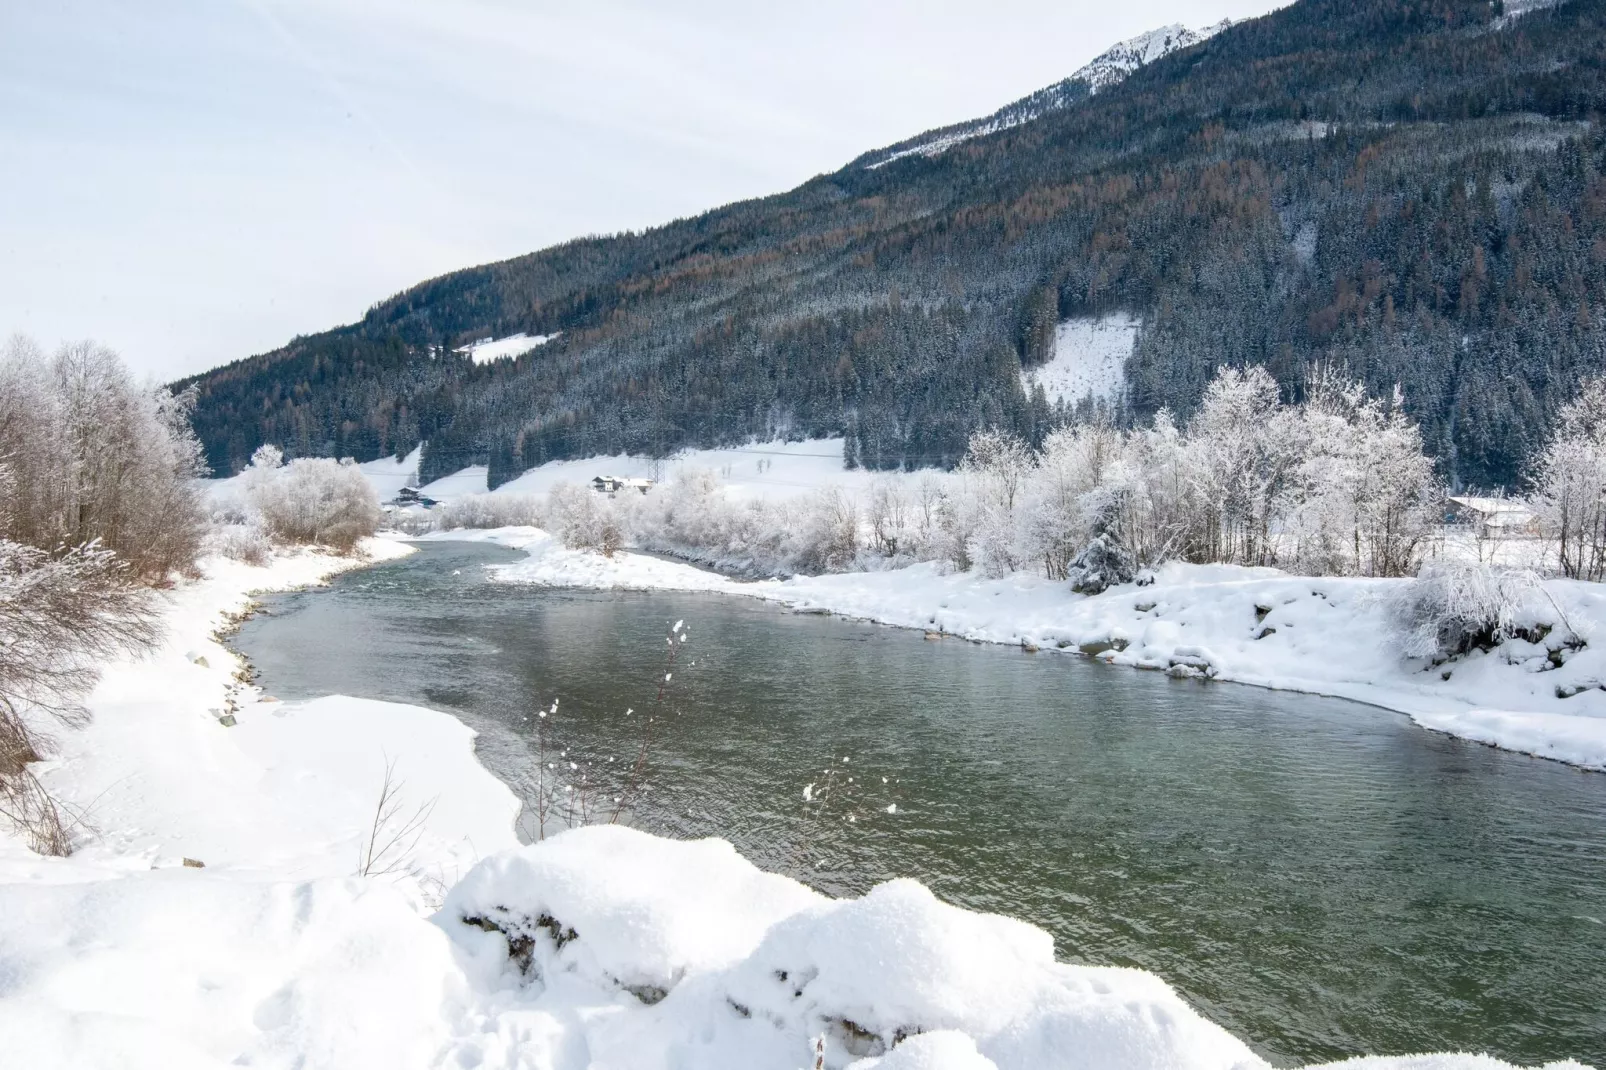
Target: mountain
<point>1101,73</point>
<point>1410,191</point>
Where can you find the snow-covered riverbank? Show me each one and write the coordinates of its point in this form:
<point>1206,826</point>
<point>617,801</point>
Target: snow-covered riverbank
<point>601,948</point>
<point>1329,635</point>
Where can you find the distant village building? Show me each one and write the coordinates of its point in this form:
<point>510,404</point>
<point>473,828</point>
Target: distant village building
<point>411,496</point>
<point>1494,518</point>
<point>611,485</point>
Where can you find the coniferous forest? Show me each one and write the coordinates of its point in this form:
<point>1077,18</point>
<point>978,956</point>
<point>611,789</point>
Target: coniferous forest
<point>1405,192</point>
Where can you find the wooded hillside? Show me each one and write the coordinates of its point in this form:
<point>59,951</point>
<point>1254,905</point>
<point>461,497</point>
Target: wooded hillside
<point>1413,191</point>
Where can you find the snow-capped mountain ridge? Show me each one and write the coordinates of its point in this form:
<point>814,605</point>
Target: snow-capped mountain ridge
<point>1106,70</point>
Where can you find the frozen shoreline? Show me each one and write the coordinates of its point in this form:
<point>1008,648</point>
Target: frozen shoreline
<point>1320,635</point>
<point>602,947</point>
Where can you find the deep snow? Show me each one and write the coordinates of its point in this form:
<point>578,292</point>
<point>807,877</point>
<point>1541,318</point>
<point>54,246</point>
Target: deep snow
<point>599,949</point>
<point>1328,635</point>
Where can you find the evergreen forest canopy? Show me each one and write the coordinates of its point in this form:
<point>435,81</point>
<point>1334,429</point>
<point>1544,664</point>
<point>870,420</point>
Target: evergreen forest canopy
<point>1409,192</point>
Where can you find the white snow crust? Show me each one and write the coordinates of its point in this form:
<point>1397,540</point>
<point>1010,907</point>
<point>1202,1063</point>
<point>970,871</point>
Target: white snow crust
<point>1089,358</point>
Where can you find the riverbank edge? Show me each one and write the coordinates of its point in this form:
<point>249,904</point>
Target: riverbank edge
<point>1327,636</point>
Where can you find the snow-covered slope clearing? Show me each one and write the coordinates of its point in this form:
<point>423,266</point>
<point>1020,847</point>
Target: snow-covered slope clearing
<point>1089,359</point>
<point>514,345</point>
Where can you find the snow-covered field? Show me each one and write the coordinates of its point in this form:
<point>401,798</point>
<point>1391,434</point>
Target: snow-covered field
<point>1089,358</point>
<point>599,949</point>
<point>1329,635</point>
<point>514,345</point>
<point>760,471</point>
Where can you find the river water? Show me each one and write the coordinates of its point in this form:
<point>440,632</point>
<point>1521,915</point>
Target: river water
<point>1321,877</point>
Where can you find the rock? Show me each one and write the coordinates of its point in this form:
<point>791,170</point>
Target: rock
<point>1029,647</point>
<point>1144,607</point>
<point>1099,646</point>
<point>933,636</point>
<point>194,863</point>
<point>227,720</point>
<point>1265,632</point>
<point>1261,611</point>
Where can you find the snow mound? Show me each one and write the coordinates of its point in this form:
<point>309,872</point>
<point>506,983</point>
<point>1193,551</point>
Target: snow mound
<point>514,345</point>
<point>1089,358</point>
<point>944,1049</point>
<point>723,966</point>
<point>621,908</point>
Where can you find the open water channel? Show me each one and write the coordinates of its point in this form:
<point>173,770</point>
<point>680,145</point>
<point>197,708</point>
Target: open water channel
<point>1321,877</point>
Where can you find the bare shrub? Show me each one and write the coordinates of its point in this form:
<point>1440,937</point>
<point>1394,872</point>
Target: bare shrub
<point>394,831</point>
<point>828,535</point>
<point>60,616</point>
<point>311,500</point>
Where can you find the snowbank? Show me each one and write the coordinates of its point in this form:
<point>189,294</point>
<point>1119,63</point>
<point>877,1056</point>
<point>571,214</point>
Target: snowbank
<point>288,790</point>
<point>744,970</point>
<point>599,949</point>
<point>1328,636</point>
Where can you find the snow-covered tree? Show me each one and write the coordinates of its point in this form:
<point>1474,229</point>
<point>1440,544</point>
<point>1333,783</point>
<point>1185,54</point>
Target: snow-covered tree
<point>1571,483</point>
<point>995,467</point>
<point>96,457</point>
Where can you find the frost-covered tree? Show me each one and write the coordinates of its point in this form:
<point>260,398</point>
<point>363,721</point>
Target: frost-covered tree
<point>1571,483</point>
<point>995,467</point>
<point>96,457</point>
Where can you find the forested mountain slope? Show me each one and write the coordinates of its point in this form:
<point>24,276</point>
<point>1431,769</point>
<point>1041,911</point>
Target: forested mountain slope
<point>1414,190</point>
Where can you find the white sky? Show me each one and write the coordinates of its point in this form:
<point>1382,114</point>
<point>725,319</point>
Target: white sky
<point>194,181</point>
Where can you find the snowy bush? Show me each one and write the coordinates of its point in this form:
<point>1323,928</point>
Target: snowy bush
<point>246,543</point>
<point>1451,608</point>
<point>311,499</point>
<point>827,539</point>
<point>490,511</point>
<point>584,520</point>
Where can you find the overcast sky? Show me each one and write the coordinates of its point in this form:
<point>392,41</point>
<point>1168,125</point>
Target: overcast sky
<point>194,181</point>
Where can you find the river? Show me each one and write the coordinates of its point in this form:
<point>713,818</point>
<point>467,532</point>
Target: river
<point>1320,877</point>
